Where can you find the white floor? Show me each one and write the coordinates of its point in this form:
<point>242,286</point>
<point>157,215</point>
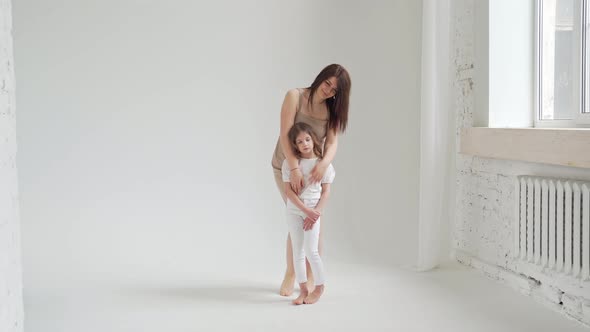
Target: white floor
<point>357,298</point>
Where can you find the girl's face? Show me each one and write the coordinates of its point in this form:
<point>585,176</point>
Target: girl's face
<point>329,88</point>
<point>304,144</point>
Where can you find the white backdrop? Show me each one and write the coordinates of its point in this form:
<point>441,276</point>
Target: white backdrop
<point>146,128</point>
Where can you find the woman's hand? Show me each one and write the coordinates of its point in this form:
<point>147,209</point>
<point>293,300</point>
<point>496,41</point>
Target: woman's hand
<point>296,179</point>
<point>308,223</point>
<point>317,173</point>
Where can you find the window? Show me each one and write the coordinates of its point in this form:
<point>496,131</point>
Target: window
<point>562,63</point>
<point>586,58</point>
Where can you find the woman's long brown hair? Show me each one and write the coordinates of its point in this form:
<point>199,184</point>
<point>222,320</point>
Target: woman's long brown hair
<point>337,106</point>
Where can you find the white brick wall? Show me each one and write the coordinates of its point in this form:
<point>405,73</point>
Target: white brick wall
<point>11,305</point>
<point>483,226</point>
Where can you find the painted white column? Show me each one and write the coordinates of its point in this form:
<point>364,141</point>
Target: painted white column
<point>435,128</point>
<point>11,304</point>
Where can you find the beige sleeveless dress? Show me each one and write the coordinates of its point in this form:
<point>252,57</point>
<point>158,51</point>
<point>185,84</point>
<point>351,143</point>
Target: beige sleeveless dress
<point>320,128</point>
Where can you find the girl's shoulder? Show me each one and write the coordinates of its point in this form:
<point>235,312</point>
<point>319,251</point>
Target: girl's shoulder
<point>285,165</point>
<point>329,175</point>
<point>331,167</point>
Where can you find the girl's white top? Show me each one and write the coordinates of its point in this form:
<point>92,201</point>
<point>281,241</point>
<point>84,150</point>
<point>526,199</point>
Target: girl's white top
<point>310,190</point>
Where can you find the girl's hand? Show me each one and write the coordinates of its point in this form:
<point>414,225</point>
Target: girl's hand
<point>308,224</point>
<point>317,173</point>
<point>313,214</point>
<point>296,179</point>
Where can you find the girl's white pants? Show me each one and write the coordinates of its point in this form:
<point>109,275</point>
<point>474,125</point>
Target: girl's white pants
<point>305,243</point>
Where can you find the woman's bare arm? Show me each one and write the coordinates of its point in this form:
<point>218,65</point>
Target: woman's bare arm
<point>330,147</point>
<point>288,111</point>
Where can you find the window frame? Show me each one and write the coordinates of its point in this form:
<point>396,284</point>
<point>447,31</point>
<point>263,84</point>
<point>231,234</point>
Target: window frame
<point>579,119</point>
<point>584,20</point>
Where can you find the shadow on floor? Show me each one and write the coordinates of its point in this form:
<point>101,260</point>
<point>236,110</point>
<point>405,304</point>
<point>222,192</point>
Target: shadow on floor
<point>235,291</point>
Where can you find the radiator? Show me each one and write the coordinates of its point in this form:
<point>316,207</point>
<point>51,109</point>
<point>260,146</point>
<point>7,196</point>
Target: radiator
<point>553,228</point>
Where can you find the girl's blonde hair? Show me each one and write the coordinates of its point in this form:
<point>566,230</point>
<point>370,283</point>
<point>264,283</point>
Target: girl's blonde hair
<point>297,129</point>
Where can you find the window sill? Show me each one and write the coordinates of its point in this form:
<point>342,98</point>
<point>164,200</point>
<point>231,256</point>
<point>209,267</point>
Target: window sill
<point>566,147</point>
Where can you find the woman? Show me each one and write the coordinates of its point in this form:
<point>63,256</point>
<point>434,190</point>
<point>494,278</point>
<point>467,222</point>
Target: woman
<point>323,106</point>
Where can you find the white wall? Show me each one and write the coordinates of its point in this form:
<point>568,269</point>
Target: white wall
<point>378,160</point>
<point>483,228</point>
<point>146,130</point>
<point>11,303</point>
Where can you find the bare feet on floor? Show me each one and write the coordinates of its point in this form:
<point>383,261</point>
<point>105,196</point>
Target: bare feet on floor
<point>310,283</point>
<point>304,293</point>
<point>288,284</point>
<point>314,296</point>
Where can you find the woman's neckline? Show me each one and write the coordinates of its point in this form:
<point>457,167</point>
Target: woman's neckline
<point>312,117</point>
<point>305,93</point>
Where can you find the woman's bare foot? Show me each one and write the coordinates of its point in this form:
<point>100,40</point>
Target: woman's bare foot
<point>314,296</point>
<point>288,284</point>
<point>304,293</point>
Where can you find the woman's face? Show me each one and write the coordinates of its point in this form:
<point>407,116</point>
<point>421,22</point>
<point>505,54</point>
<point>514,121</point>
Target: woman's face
<point>329,88</point>
<point>304,144</point>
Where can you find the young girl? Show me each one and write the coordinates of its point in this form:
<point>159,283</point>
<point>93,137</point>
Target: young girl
<point>304,210</point>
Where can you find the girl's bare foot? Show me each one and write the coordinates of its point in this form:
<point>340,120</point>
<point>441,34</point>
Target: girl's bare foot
<point>310,283</point>
<point>288,284</point>
<point>314,296</point>
<point>304,293</point>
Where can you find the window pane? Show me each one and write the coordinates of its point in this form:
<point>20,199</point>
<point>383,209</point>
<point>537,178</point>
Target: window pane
<point>557,25</point>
